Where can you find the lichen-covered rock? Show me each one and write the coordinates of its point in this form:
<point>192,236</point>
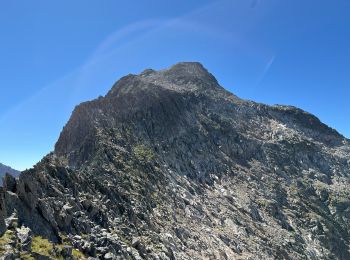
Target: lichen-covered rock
<point>24,235</point>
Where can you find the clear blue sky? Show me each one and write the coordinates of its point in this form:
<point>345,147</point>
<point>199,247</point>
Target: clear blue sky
<point>55,54</point>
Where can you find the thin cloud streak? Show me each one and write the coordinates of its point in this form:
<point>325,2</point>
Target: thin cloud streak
<point>104,50</point>
<point>266,69</point>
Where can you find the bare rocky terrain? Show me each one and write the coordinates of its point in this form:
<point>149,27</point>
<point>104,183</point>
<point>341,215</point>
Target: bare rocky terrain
<point>170,165</point>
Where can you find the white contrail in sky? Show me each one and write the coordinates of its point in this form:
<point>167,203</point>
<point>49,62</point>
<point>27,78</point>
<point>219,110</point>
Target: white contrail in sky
<point>267,68</point>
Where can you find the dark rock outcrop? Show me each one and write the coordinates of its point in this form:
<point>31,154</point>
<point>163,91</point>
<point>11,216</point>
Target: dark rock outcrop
<point>169,165</point>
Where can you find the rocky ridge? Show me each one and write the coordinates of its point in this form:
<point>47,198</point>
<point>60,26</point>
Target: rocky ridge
<point>170,165</point>
<point>6,169</point>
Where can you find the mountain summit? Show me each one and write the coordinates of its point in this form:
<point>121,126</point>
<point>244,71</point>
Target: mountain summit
<point>170,165</point>
<point>184,76</point>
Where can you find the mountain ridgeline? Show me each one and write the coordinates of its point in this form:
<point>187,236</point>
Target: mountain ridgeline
<point>170,165</point>
<point>6,169</point>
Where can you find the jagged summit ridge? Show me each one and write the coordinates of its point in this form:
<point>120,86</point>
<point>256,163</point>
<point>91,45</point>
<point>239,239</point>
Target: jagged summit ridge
<point>190,70</point>
<point>169,165</point>
<point>175,91</point>
<point>183,76</point>
<point>132,94</point>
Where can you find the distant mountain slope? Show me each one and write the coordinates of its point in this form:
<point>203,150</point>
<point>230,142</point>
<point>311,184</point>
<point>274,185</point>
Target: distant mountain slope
<point>6,169</point>
<point>170,165</point>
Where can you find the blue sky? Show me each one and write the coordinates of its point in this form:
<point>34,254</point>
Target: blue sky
<point>56,54</point>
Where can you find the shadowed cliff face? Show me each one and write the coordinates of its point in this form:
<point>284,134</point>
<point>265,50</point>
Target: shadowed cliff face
<point>169,165</point>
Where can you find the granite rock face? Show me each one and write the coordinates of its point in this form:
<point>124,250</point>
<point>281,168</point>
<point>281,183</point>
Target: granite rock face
<point>170,165</point>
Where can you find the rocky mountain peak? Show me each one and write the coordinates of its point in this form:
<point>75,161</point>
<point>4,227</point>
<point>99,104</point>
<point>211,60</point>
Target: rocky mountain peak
<point>169,165</point>
<point>190,70</point>
<point>194,69</point>
<point>170,94</point>
<point>181,77</point>
<point>134,94</point>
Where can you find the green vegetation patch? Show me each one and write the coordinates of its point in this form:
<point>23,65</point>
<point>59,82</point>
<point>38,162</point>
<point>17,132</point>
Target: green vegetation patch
<point>5,239</point>
<point>41,246</point>
<point>143,153</point>
<point>77,254</point>
<point>44,247</point>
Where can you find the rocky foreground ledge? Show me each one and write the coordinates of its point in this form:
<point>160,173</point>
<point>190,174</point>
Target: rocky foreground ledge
<point>170,165</point>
